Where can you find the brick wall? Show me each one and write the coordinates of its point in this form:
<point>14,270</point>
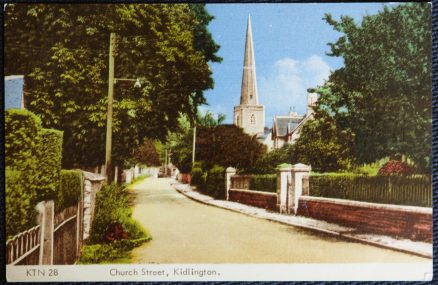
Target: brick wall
<point>400,221</point>
<point>254,198</point>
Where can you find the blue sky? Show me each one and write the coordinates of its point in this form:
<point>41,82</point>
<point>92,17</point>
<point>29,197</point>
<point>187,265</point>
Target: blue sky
<point>290,45</point>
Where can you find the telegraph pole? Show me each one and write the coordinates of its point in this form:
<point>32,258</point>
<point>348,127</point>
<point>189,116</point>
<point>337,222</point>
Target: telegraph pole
<point>194,146</point>
<point>109,121</point>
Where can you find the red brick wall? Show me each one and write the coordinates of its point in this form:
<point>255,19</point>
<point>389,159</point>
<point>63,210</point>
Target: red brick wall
<point>401,221</point>
<point>254,198</point>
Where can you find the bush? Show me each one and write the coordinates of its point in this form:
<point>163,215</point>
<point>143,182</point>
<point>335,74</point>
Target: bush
<point>22,129</point>
<point>267,163</point>
<point>266,182</point>
<point>33,157</point>
<point>115,252</point>
<point>49,163</point>
<point>215,182</point>
<point>395,167</point>
<point>70,189</point>
<point>197,176</point>
<point>21,213</point>
<point>112,208</point>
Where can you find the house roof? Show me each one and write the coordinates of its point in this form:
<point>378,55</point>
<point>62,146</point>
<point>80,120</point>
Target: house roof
<point>284,125</point>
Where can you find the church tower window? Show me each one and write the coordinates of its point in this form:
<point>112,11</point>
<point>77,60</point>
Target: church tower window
<point>237,120</point>
<point>252,119</point>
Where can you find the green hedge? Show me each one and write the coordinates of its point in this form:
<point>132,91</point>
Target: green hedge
<point>264,182</point>
<point>20,208</point>
<point>70,189</point>
<point>215,182</point>
<point>49,163</point>
<point>414,191</point>
<point>197,176</point>
<point>22,129</point>
<point>33,156</point>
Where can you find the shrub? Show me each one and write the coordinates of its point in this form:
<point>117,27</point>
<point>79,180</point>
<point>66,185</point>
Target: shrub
<point>20,209</point>
<point>197,176</point>
<point>49,163</point>
<point>21,139</point>
<point>215,182</point>
<point>264,182</point>
<point>267,163</point>
<point>110,252</point>
<point>112,208</point>
<point>70,189</point>
<point>34,154</point>
<point>395,167</point>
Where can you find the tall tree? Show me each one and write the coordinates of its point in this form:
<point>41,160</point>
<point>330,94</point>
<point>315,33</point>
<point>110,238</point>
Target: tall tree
<point>382,95</point>
<point>227,145</point>
<point>63,52</point>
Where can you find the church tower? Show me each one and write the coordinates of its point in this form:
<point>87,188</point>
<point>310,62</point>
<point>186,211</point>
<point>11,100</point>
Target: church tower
<point>249,115</point>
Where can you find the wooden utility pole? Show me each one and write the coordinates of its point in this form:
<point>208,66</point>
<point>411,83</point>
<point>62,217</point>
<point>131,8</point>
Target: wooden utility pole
<point>109,122</point>
<point>194,146</point>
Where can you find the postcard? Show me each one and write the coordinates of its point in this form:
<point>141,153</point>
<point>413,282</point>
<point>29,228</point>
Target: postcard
<point>218,142</point>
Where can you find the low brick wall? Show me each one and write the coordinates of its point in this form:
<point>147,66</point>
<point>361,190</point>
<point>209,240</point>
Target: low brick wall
<point>254,198</point>
<point>402,221</point>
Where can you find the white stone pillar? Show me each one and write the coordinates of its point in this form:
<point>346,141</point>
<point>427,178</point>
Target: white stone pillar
<point>298,171</point>
<point>230,171</point>
<point>283,182</point>
<point>136,171</point>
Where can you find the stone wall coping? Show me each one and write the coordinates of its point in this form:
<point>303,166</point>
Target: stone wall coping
<point>412,209</point>
<point>230,169</point>
<point>93,176</point>
<point>255,192</point>
<point>301,168</point>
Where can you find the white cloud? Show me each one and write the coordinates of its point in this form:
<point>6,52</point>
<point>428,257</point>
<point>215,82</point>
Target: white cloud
<point>286,86</point>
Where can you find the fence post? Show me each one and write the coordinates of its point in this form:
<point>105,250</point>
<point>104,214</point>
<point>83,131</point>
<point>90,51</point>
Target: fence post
<point>230,171</point>
<point>283,181</point>
<point>298,171</point>
<point>47,214</point>
<point>79,225</point>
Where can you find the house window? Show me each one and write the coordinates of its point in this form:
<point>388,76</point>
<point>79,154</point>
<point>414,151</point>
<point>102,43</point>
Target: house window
<point>252,119</point>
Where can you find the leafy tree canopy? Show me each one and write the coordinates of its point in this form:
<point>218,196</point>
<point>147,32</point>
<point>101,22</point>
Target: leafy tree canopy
<point>63,52</point>
<point>382,96</point>
<point>147,154</point>
<point>227,145</point>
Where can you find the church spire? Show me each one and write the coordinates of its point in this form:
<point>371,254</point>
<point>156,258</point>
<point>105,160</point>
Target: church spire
<point>248,94</point>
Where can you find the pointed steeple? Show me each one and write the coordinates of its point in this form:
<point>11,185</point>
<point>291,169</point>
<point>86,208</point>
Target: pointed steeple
<point>248,94</point>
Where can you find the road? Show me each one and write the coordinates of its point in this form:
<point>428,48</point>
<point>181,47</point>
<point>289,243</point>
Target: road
<point>185,231</point>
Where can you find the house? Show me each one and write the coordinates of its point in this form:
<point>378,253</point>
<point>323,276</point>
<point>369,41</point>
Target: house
<point>286,129</point>
<point>14,98</point>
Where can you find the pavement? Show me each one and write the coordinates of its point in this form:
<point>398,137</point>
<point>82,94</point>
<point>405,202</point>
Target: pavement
<point>418,248</point>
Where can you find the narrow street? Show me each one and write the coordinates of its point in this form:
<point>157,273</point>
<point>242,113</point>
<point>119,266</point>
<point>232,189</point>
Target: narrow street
<point>185,231</point>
